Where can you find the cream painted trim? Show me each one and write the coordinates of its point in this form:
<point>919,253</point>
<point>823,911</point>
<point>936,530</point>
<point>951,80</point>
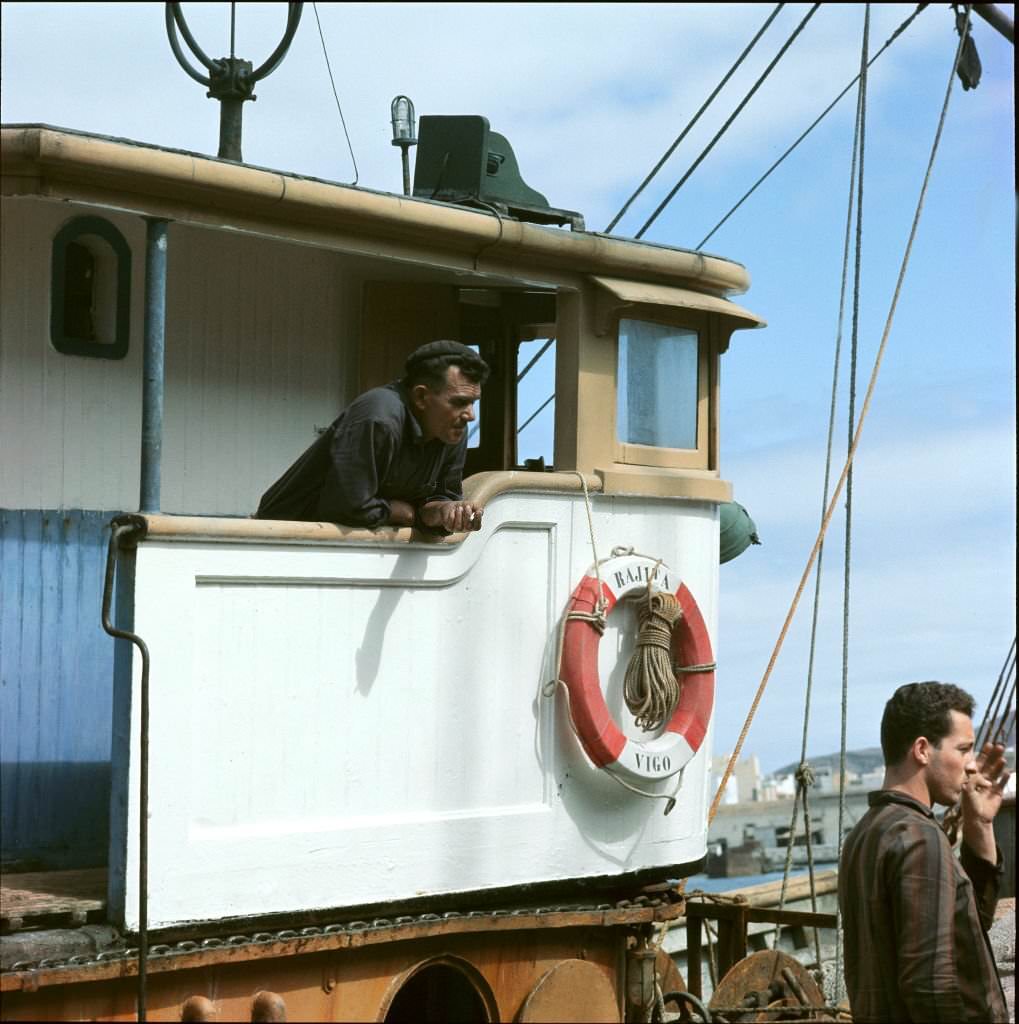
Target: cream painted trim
<point>483,487</point>
<point>692,484</point>
<point>480,488</point>
<point>616,297</point>
<point>44,161</point>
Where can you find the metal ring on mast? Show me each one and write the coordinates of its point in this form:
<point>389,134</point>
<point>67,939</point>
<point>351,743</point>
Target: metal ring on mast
<point>175,15</point>
<point>230,80</point>
<point>294,12</point>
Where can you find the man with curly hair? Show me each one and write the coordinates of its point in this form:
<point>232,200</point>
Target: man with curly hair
<point>395,455</point>
<point>916,916</point>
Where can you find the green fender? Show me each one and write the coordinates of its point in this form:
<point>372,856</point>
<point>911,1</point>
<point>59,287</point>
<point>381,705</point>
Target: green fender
<point>737,531</point>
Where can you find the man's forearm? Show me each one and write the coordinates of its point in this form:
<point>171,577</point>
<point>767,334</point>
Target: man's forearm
<point>979,837</point>
<point>401,513</point>
<point>985,874</point>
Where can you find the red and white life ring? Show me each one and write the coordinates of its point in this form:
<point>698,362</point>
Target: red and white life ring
<point>602,739</point>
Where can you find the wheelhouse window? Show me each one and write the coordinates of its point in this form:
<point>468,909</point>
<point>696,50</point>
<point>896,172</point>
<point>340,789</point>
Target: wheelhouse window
<point>535,403</point>
<point>658,385</point>
<point>90,299</point>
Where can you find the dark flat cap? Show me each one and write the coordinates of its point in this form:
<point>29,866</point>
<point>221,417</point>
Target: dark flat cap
<point>438,348</point>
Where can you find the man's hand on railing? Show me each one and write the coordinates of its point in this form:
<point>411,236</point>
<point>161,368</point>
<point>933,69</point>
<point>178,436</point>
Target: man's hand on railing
<point>452,516</point>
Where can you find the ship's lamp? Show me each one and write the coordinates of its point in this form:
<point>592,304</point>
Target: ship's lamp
<point>404,127</point>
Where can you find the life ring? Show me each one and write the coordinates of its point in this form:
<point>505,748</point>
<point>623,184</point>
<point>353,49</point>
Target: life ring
<point>603,740</point>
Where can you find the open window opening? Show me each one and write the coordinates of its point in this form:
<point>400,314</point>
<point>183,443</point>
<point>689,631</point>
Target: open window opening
<point>533,406</point>
<point>442,992</point>
<point>535,403</point>
<point>514,332</point>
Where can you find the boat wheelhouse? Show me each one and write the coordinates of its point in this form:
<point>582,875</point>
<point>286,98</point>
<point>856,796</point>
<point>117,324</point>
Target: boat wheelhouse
<point>356,730</point>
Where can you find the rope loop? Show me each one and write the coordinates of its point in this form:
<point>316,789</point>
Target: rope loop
<point>669,798</point>
<point>598,618</point>
<point>722,899</point>
<point>805,775</point>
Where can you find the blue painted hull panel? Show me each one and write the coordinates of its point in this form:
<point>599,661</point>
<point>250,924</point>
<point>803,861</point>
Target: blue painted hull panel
<point>56,688</point>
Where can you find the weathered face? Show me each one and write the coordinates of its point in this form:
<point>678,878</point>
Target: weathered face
<point>951,761</point>
<point>446,414</point>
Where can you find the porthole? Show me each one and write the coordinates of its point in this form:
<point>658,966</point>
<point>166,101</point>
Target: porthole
<point>90,296</point>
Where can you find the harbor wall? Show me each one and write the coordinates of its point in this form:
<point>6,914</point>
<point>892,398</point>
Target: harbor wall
<point>768,822</point>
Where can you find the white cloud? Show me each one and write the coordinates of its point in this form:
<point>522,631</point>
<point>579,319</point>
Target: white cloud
<point>590,95</point>
<point>958,472</point>
<point>932,582</point>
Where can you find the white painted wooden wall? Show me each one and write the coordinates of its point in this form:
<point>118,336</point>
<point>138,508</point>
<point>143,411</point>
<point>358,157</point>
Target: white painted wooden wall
<point>258,353</point>
<point>335,726</point>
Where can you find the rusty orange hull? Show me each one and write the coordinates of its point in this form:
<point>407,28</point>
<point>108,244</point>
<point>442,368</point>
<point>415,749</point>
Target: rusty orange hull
<point>550,964</point>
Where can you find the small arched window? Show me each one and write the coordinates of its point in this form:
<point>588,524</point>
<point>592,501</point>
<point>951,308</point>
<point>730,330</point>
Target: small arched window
<point>90,297</point>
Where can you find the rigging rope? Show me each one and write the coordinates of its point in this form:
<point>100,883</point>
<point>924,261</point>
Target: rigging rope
<point>527,369</point>
<point>996,715</point>
<point>875,371</point>
<point>760,181</point>
<point>824,113</point>
<point>704,106</point>
<point>1005,671</point>
<point>534,415</point>
<point>995,727</point>
<point>836,362</point>
<point>805,773</point>
<point>732,117</point>
<point>861,128</point>
<point>336,96</point>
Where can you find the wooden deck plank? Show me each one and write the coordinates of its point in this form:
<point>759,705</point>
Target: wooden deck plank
<point>42,893</point>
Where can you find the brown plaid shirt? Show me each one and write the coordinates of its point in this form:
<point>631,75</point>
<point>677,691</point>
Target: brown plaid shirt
<point>916,919</point>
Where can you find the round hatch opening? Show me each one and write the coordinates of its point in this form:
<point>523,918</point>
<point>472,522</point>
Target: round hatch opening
<point>446,990</point>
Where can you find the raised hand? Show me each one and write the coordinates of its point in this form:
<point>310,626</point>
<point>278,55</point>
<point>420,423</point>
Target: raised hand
<point>981,797</point>
<point>983,790</point>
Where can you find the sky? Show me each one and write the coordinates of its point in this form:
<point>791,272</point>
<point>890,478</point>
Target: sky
<point>590,96</point>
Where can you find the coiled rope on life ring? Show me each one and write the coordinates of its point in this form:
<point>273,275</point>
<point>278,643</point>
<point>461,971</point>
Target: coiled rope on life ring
<point>653,677</point>
<point>651,689</point>
<point>581,629</point>
<point>688,643</point>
